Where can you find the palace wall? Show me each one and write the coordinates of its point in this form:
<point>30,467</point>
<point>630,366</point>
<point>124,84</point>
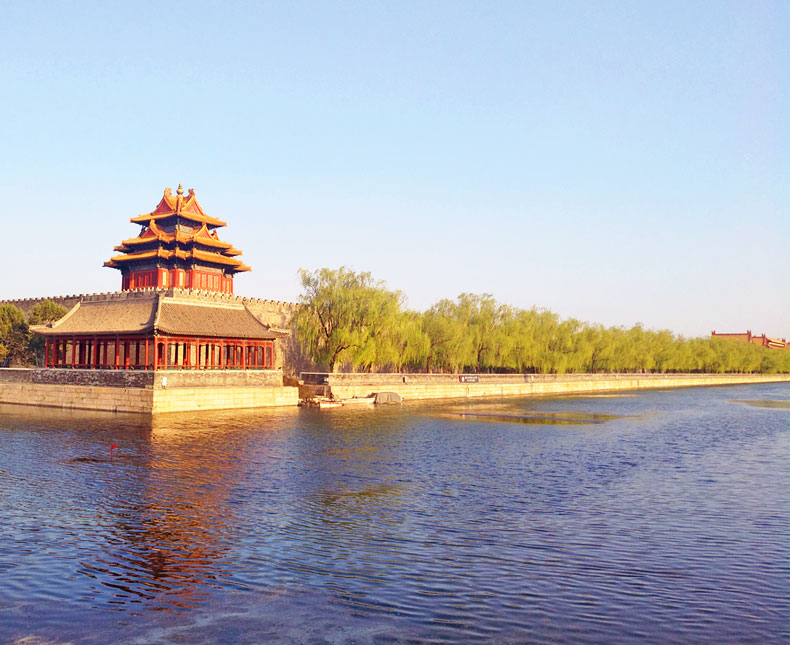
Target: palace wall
<point>26,304</point>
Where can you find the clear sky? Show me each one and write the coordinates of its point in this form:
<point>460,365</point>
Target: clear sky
<point>613,162</point>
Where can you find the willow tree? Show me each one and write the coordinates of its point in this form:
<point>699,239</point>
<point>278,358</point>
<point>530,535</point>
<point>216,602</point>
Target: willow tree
<point>406,344</point>
<point>450,343</point>
<point>42,313</point>
<point>346,317</point>
<point>14,336</point>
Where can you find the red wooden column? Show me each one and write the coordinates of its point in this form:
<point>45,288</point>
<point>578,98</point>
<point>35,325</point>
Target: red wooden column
<point>146,352</point>
<point>243,354</point>
<point>73,351</point>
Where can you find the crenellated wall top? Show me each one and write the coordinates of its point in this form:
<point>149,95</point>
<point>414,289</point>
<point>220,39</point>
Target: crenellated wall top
<point>26,303</point>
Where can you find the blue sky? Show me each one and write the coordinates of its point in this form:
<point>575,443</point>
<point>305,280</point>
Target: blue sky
<point>613,162</point>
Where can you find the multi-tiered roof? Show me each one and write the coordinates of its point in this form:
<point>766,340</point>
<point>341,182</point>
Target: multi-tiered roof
<point>178,245</point>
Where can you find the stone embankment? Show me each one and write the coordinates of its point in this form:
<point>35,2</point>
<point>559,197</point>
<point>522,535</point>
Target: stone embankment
<point>186,391</point>
<point>447,386</point>
<point>145,392</point>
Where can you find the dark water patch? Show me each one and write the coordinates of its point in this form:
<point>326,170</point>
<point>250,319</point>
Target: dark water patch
<point>89,460</point>
<point>115,459</point>
<point>774,404</point>
<point>535,418</point>
<point>605,396</point>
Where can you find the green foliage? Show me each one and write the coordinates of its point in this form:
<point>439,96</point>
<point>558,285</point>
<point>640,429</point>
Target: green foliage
<point>349,319</point>
<point>45,312</point>
<point>14,336</point>
<point>42,313</point>
<point>346,317</point>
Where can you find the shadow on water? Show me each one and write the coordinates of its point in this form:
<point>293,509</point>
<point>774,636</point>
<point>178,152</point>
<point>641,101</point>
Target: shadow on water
<point>603,396</point>
<point>541,419</point>
<point>508,413</point>
<point>765,403</point>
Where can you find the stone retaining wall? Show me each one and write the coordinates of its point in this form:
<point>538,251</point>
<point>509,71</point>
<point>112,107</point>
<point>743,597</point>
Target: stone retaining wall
<point>446,386</point>
<point>143,392</point>
<point>78,377</point>
<point>81,397</point>
<point>143,378</point>
<point>206,391</point>
<point>146,400</point>
<point>187,399</point>
<point>218,378</point>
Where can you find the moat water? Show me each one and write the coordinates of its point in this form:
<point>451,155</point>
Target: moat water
<point>660,516</point>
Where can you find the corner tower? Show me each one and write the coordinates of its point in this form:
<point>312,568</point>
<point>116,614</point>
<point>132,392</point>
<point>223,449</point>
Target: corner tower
<point>178,246</point>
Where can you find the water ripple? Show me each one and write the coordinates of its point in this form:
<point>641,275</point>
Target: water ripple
<point>661,516</point>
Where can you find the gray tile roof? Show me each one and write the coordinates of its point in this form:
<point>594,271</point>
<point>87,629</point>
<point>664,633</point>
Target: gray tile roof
<point>146,313</point>
<point>178,318</point>
<point>107,317</point>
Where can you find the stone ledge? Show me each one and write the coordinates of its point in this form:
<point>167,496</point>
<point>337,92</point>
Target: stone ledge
<point>146,401</point>
<point>473,390</point>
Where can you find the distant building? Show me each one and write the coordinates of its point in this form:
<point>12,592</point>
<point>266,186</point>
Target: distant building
<point>762,341</point>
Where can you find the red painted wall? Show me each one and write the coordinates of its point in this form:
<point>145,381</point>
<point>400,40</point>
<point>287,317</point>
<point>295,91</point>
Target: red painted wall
<point>162,278</point>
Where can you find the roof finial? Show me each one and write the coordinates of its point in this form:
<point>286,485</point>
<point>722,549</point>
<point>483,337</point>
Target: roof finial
<point>180,190</point>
